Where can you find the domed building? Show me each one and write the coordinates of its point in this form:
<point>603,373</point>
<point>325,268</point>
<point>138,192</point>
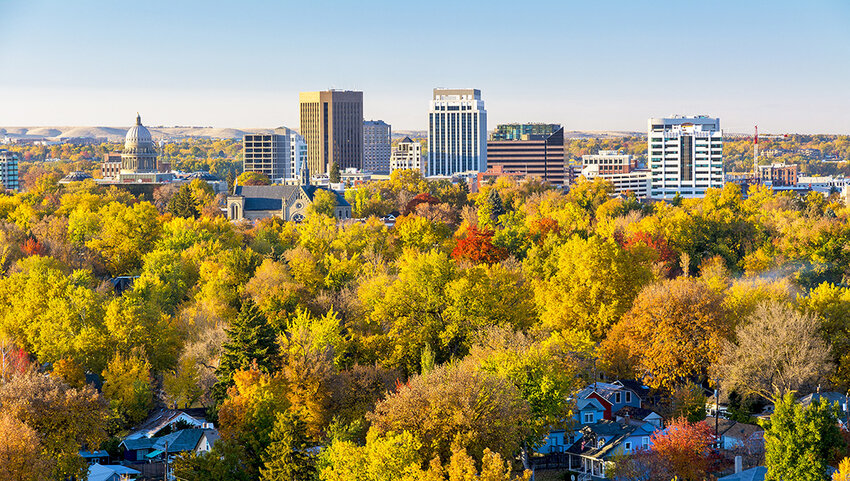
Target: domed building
<point>139,155</point>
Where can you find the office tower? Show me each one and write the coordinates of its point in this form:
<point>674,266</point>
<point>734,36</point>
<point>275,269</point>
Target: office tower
<point>457,132</point>
<point>536,155</point>
<point>297,156</point>
<point>332,126</point>
<point>377,146</point>
<point>9,170</point>
<point>619,169</point>
<point>685,156</point>
<point>267,154</point>
<point>523,131</point>
<point>406,155</point>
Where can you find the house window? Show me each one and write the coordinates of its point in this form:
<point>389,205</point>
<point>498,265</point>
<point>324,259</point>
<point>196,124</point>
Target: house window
<point>645,442</point>
<point>617,398</point>
<point>588,418</point>
<point>628,446</point>
<point>628,396</point>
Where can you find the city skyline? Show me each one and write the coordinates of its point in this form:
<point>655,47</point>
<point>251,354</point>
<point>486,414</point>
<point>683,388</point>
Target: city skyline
<point>781,65</point>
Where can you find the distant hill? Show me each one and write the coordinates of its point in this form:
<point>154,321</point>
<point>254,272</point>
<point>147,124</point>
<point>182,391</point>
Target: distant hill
<point>116,134</point>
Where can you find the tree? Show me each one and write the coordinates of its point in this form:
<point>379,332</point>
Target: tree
<point>224,462</point>
<point>250,340</point>
<point>20,452</point>
<point>182,385</point>
<point>684,448</point>
<point>800,442</point>
<point>843,473</point>
<point>182,203</point>
<point>69,372</point>
<point>127,385</point>
<point>333,172</point>
<point>324,203</point>
<point>477,246</point>
<point>253,178</point>
<point>456,403</point>
<point>63,418</point>
<point>490,208</point>
<point>778,351</point>
<point>288,458</point>
<point>673,332</point>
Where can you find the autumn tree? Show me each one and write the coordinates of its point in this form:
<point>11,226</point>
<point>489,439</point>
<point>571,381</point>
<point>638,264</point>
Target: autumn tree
<point>20,452</point>
<point>674,332</point>
<point>684,448</point>
<point>287,457</point>
<point>69,372</point>
<point>776,352</point>
<point>324,202</point>
<point>477,247</point>
<point>487,411</point>
<point>127,385</point>
<point>801,441</point>
<point>253,178</point>
<point>250,340</point>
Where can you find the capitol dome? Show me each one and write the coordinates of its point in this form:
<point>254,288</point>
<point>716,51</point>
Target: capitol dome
<point>139,154</point>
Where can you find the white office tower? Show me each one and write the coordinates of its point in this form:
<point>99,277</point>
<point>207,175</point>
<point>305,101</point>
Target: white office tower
<point>457,132</point>
<point>377,146</point>
<point>406,155</point>
<point>297,154</point>
<point>685,156</point>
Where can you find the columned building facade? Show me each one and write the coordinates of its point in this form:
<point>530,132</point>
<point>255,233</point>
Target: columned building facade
<point>685,155</point>
<point>457,132</point>
<point>332,126</point>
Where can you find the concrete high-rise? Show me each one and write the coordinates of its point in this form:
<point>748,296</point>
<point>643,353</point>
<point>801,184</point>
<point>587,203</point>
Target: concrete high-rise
<point>277,155</point>
<point>685,155</point>
<point>407,155</point>
<point>9,170</point>
<point>332,126</point>
<point>538,155</point>
<point>457,132</point>
<point>377,146</point>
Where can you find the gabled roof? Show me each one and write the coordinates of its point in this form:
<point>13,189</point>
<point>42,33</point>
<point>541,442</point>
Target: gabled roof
<point>582,404</point>
<point>635,413</point>
<point>178,441</point>
<point>614,434</point>
<point>161,418</point>
<point>271,197</point>
<point>830,397</point>
<point>99,472</point>
<point>753,474</point>
<point>734,429</point>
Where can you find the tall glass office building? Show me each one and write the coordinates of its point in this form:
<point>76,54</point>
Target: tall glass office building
<point>457,132</point>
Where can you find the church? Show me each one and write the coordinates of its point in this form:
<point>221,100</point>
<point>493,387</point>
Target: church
<point>288,202</point>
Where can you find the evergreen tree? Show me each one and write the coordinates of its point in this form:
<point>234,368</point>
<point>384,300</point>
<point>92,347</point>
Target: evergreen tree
<point>494,200</point>
<point>250,339</point>
<point>800,442</point>
<point>231,179</point>
<point>287,457</point>
<point>333,172</point>
<point>182,204</point>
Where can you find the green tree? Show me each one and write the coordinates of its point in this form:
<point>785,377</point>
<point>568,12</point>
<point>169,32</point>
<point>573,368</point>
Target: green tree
<point>253,178</point>
<point>250,339</point>
<point>127,385</point>
<point>333,172</point>
<point>801,442</point>
<point>182,203</point>
<point>324,203</point>
<point>288,458</point>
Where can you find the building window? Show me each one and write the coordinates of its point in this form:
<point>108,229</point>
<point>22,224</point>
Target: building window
<point>588,418</point>
<point>645,442</point>
<point>617,398</point>
<point>628,396</point>
<point>628,446</point>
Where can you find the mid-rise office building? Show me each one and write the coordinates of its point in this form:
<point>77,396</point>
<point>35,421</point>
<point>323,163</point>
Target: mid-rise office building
<point>377,146</point>
<point>457,132</point>
<point>9,170</point>
<point>611,162</point>
<point>778,175</point>
<point>332,126</point>
<point>523,131</point>
<point>297,154</point>
<point>685,155</point>
<point>111,165</point>
<point>537,155</point>
<point>406,155</point>
<point>636,181</point>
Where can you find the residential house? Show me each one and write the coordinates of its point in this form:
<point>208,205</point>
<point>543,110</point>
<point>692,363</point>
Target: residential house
<point>99,472</point>
<point>601,442</point>
<point>92,457</point>
<point>613,396</point>
<point>753,474</point>
<point>163,418</point>
<point>152,449</point>
<point>633,415</point>
<point>738,436</point>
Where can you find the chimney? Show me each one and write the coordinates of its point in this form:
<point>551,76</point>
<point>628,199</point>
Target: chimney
<point>739,464</point>
<point>628,419</point>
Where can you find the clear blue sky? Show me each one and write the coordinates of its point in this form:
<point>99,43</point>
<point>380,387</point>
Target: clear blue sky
<point>591,65</point>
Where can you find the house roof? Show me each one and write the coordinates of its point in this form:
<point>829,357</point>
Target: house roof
<point>604,389</point>
<point>270,197</point>
<point>734,429</point>
<point>161,418</point>
<point>753,474</point>
<point>830,397</point>
<point>183,440</point>
<point>93,454</point>
<point>99,472</point>
<point>614,434</point>
<point>582,404</point>
<point>635,413</point>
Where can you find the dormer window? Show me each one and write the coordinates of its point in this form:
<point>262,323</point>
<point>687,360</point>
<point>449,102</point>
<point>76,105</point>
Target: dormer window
<point>588,418</point>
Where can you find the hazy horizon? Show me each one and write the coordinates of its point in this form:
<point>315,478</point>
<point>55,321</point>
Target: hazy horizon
<point>588,66</point>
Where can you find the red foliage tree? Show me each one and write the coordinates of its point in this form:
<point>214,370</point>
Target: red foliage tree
<point>684,448</point>
<point>423,198</point>
<point>14,361</point>
<point>33,247</point>
<point>541,228</point>
<point>664,255</point>
<point>478,247</point>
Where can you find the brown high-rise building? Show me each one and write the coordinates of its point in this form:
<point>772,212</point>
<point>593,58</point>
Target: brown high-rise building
<point>332,126</point>
<point>538,155</point>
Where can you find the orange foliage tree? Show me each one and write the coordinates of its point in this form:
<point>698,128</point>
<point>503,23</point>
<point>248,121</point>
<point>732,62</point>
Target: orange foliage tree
<point>684,448</point>
<point>478,247</point>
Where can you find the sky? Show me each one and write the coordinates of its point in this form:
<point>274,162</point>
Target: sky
<point>592,65</point>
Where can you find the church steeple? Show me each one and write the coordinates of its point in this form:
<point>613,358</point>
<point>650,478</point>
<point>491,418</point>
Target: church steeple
<point>304,174</point>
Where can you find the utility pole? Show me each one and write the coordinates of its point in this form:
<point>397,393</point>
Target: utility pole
<point>165,475</point>
<point>717,415</point>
